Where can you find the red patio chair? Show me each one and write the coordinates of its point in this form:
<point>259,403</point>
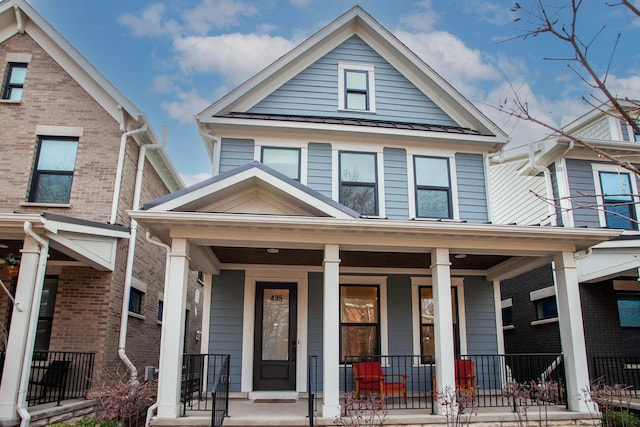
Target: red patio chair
<point>465,376</point>
<point>370,378</point>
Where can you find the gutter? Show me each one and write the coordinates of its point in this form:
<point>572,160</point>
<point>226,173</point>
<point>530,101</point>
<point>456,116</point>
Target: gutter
<point>123,147</point>
<point>128,278</point>
<point>21,406</point>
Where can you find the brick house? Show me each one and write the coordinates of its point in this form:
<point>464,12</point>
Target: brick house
<point>582,189</point>
<point>349,218</point>
<point>82,280</point>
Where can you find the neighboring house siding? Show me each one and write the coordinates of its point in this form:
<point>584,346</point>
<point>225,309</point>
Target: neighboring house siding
<point>480,316</point>
<point>395,183</point>
<point>524,337</point>
<point>515,198</point>
<point>235,152</point>
<point>314,91</point>
<point>314,326</point>
<point>225,327</point>
<point>580,174</point>
<point>597,130</point>
<point>319,168</point>
<point>472,193</point>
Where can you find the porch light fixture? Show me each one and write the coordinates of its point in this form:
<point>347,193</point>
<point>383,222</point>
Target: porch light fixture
<point>3,246</point>
<point>460,256</point>
<point>273,250</point>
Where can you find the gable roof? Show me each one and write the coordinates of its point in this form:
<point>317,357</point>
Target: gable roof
<point>237,190</point>
<point>18,17</point>
<point>355,22</point>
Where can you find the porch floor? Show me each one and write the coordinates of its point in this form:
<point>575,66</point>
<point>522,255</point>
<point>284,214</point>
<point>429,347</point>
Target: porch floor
<point>248,413</point>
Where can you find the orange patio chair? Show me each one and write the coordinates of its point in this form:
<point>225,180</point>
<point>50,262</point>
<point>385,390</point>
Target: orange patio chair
<point>370,378</point>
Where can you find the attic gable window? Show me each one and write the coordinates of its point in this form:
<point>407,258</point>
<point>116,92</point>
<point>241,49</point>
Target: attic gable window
<point>14,81</point>
<point>356,87</point>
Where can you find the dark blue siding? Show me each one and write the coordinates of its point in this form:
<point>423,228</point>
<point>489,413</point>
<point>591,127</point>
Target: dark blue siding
<point>225,327</point>
<point>472,192</point>
<point>319,168</point>
<point>395,183</point>
<point>235,152</point>
<point>314,91</point>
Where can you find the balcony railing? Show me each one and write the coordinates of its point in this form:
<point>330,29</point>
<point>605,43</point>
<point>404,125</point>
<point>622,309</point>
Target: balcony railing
<point>59,375</point>
<point>624,371</point>
<point>491,373</point>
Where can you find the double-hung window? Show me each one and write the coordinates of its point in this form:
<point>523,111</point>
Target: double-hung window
<point>135,301</point>
<point>617,197</point>
<point>356,87</point>
<point>359,321</point>
<point>427,328</point>
<point>433,187</point>
<point>546,308</point>
<point>358,182</point>
<point>14,81</point>
<point>45,318</point>
<point>629,309</point>
<point>283,160</point>
<point>53,171</point>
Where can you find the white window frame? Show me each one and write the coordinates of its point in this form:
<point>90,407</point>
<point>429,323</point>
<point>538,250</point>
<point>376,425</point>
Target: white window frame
<point>453,182</point>
<point>596,167</point>
<point>458,284</point>
<point>259,144</point>
<point>371,87</point>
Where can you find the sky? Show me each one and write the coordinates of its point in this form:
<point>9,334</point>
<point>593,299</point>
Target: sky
<point>174,58</point>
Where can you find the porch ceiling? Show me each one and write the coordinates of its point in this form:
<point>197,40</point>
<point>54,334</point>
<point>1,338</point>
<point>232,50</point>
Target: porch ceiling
<point>388,260</point>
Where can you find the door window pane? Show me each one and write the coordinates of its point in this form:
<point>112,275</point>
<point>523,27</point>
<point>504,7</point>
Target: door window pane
<point>284,160</point>
<point>275,324</point>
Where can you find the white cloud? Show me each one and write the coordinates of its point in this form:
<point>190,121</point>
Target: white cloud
<point>301,4</point>
<point>493,12</point>
<point>448,56</point>
<point>622,87</point>
<point>150,22</point>
<point>195,178</point>
<point>235,56</point>
<point>216,14</point>
<point>187,105</point>
<point>424,19</point>
<point>164,84</point>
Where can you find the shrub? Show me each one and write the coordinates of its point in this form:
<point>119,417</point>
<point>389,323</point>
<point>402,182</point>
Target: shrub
<point>620,419</point>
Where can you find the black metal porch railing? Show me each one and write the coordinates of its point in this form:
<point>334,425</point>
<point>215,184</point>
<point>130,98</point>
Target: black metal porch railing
<point>491,373</point>
<point>623,371</point>
<point>59,375</point>
<point>312,388</point>
<point>201,374</point>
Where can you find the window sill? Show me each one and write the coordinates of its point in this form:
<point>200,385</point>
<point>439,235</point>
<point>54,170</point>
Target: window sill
<point>509,327</point>
<point>544,321</point>
<point>137,316</point>
<point>10,101</point>
<point>346,110</point>
<point>158,322</point>
<point>45,205</point>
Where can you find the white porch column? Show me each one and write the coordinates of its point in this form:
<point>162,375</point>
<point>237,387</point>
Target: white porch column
<point>17,345</point>
<point>571,329</point>
<point>172,342</point>
<point>443,320</point>
<point>330,332</point>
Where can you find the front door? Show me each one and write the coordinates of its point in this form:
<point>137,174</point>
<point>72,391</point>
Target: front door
<point>274,366</point>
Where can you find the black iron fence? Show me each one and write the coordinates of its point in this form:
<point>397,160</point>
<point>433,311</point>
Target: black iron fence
<point>59,375</point>
<point>312,388</point>
<point>205,384</point>
<point>623,371</point>
<point>409,382</point>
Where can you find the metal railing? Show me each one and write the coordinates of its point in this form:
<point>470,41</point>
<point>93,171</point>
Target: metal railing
<point>202,373</point>
<point>312,388</point>
<point>59,375</point>
<point>491,373</point>
<point>624,371</point>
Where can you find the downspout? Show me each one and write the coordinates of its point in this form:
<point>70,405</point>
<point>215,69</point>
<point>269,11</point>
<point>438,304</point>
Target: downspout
<point>157,242</point>
<point>547,180</point>
<point>21,406</point>
<point>128,277</point>
<point>215,165</point>
<point>116,190</point>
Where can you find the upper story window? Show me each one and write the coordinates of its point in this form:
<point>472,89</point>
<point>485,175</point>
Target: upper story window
<point>617,191</point>
<point>356,87</point>
<point>284,160</point>
<point>53,171</point>
<point>14,81</point>
<point>358,182</point>
<point>629,309</point>
<point>636,135</point>
<point>433,187</point>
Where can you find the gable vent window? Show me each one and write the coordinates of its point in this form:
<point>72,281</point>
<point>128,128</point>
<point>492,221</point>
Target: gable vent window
<point>14,81</point>
<point>356,87</point>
